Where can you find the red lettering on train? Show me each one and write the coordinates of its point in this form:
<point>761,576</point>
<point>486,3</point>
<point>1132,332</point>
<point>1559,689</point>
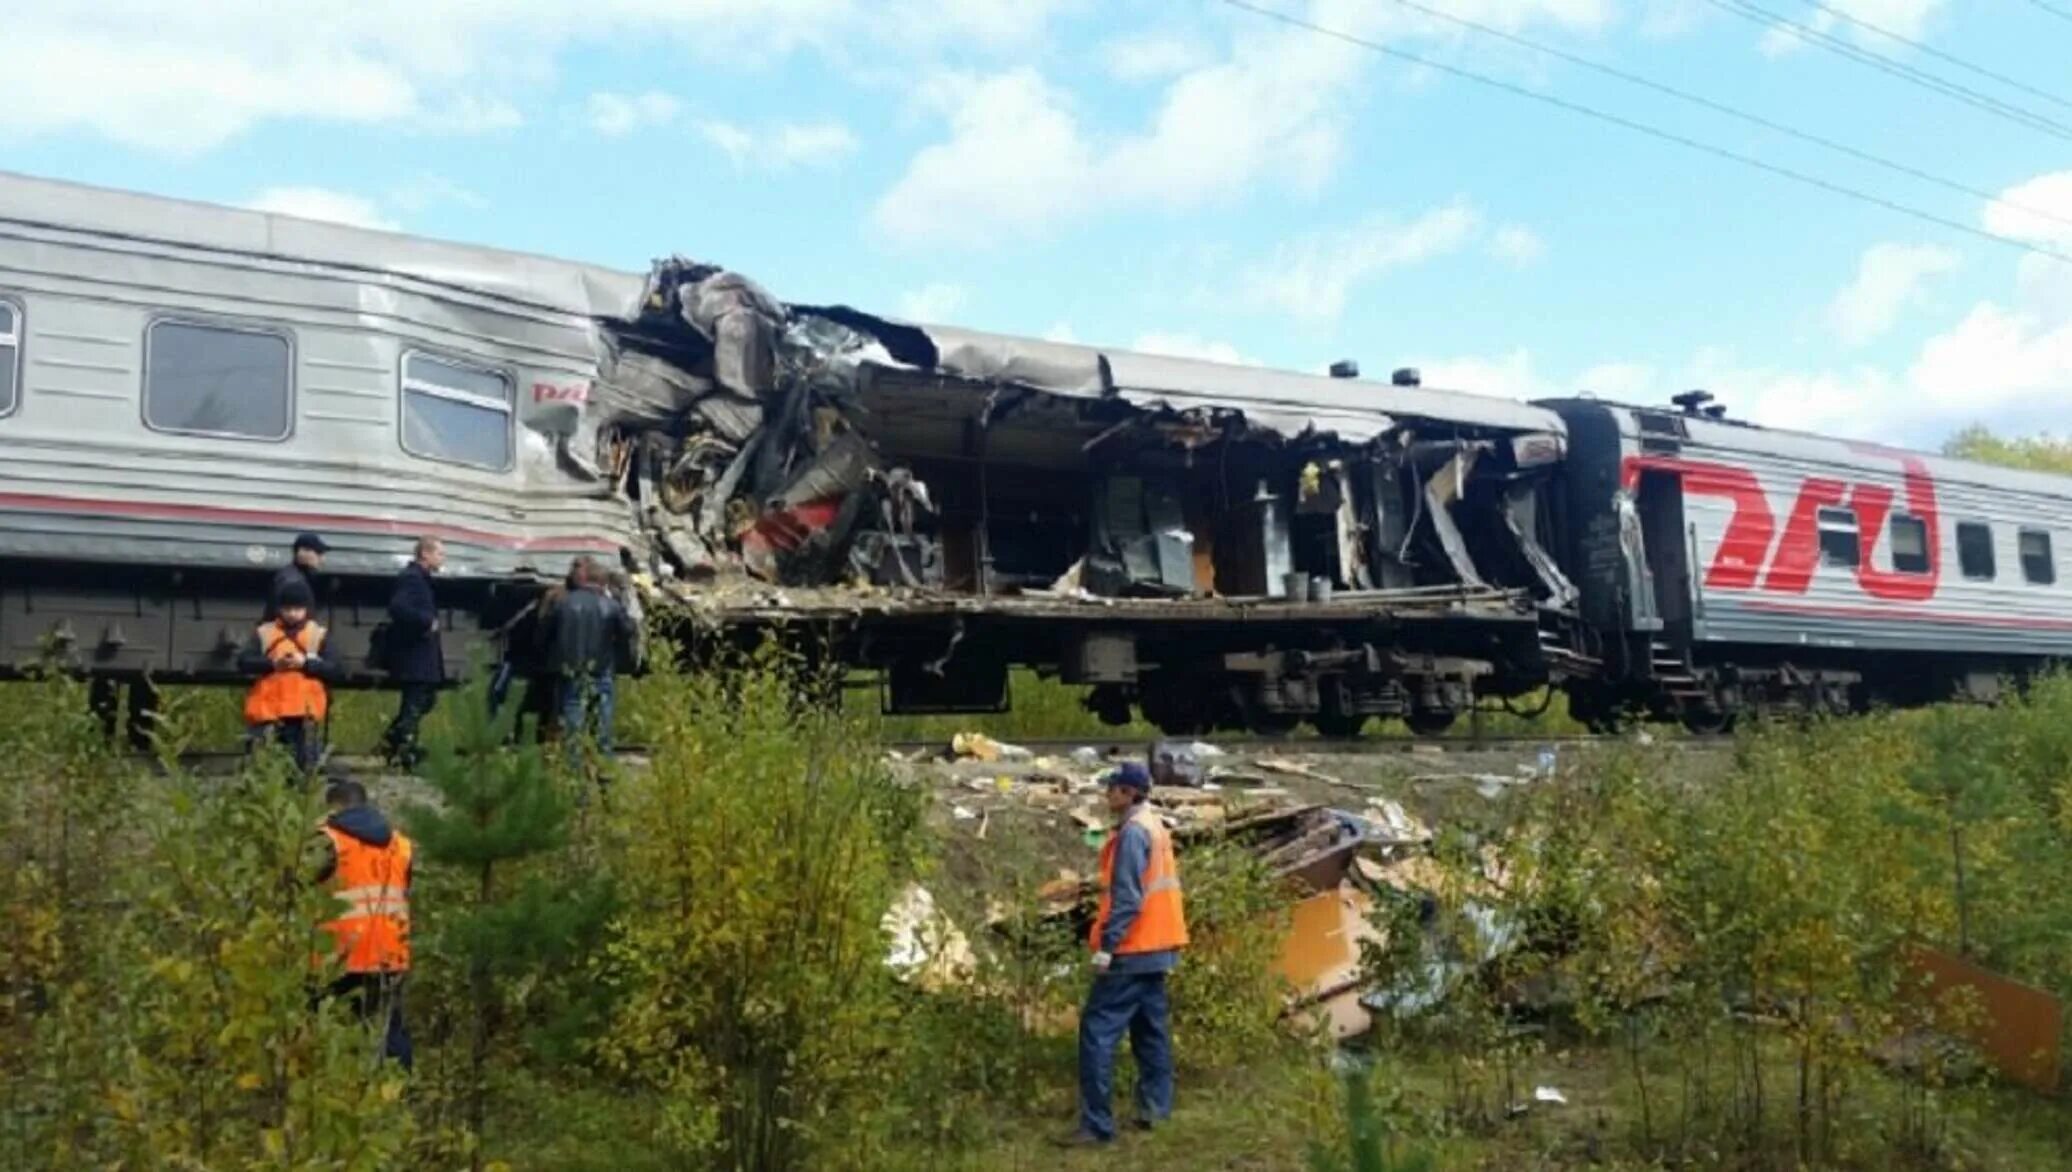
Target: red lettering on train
<point>557,393</point>
<point>1745,555</point>
<point>1791,567</point>
<point>1749,529</point>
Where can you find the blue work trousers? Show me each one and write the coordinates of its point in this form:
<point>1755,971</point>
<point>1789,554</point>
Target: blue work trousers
<point>583,699</point>
<point>1119,1002</point>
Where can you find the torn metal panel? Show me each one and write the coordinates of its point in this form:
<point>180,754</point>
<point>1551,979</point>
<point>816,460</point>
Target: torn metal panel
<point>1055,368</point>
<point>1521,503</point>
<point>1442,491</point>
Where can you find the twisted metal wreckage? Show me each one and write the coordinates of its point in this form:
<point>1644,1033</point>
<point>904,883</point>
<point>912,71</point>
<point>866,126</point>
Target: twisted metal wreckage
<point>834,457</point>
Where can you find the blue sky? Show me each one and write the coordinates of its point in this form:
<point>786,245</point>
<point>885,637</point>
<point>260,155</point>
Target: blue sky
<point>1176,175</point>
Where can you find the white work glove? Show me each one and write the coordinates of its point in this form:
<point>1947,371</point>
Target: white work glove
<point>1102,960</point>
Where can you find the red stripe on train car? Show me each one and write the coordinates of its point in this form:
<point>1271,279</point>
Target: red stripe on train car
<point>166,511</point>
<point>1909,614</point>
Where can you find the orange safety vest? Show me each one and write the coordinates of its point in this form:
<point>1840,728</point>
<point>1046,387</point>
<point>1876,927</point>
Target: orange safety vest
<point>287,694</point>
<point>1161,922</point>
<point>373,936</point>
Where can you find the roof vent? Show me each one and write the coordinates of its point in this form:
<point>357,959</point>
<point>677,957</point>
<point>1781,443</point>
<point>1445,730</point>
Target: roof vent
<point>1407,377</point>
<point>1692,401</point>
<point>1716,411</point>
<point>1345,368</point>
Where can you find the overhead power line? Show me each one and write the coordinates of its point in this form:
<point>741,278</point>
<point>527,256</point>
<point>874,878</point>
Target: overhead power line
<point>1643,128</point>
<point>1938,54</point>
<point>2054,10</point>
<point>2018,115</point>
<point>1751,119</point>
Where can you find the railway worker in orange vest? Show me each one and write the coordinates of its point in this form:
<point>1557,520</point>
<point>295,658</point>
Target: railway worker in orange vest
<point>1137,936</point>
<point>368,867</point>
<point>288,701</point>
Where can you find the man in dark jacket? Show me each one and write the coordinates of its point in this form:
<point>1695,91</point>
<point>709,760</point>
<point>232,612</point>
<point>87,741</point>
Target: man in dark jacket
<point>589,629</point>
<point>414,658</point>
<point>305,558</point>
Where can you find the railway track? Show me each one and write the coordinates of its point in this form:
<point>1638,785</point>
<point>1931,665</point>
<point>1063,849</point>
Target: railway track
<point>211,760</point>
<point>1353,746</point>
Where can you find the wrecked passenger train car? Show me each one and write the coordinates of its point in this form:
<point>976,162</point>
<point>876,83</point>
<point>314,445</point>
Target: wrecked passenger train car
<point>1214,545</point>
<point>185,387</point>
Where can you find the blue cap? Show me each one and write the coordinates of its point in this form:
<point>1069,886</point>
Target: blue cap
<point>1131,774</point>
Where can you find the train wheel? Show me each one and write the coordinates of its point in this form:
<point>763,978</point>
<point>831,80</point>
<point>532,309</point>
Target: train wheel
<point>1272,724</point>
<point>1342,726</point>
<point>1429,722</point>
<point>1707,721</point>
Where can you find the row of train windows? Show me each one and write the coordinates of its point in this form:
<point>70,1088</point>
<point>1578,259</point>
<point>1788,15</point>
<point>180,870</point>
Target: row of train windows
<point>236,382</point>
<point>1840,545</point>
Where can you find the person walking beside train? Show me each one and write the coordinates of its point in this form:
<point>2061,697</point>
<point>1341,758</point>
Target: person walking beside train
<point>305,558</point>
<point>412,653</point>
<point>1139,928</point>
<point>590,628</point>
<point>288,701</point>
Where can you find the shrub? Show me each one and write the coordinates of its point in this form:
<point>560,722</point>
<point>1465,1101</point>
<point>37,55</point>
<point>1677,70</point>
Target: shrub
<point>761,851</point>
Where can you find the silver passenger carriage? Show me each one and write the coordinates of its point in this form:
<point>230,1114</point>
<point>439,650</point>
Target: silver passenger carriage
<point>184,387</point>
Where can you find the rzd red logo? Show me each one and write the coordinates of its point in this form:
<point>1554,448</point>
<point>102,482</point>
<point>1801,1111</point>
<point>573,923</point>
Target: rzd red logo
<point>1745,548</point>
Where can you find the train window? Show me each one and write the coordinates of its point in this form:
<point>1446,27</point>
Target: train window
<point>1975,550</point>
<point>456,412</point>
<point>1839,542</point>
<point>2037,564</point>
<point>220,380</point>
<point>10,355</point>
<point>1909,544</point>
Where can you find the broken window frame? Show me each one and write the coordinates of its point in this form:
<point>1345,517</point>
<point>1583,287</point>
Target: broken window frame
<point>1839,524</point>
<point>11,365</point>
<point>216,325</point>
<point>407,386</point>
<point>1908,561</point>
<point>2038,568</point>
<point>1977,562</point>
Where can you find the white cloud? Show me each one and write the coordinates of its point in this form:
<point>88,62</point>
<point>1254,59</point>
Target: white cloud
<point>813,143</point>
<point>427,191</point>
<point>1182,345</point>
<point>1510,376</point>
<point>2039,211</point>
<point>471,114</point>
<point>1311,276</point>
<point>1018,157</point>
<point>1907,18</point>
<point>780,147</point>
<point>1152,56</point>
<point>321,203</point>
<point>932,304</point>
<point>183,78</point>
<point>616,115</point>
<point>1889,279</point>
<point>1517,245</point>
<point>1014,162</point>
<point>1061,332</point>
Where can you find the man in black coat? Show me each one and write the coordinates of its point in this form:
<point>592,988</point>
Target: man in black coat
<point>304,560</point>
<point>414,658</point>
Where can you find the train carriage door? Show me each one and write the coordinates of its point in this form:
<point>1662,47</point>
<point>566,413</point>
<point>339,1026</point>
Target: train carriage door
<point>1659,502</point>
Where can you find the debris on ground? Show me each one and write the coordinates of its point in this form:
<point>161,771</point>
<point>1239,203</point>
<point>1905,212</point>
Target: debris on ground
<point>981,747</point>
<point>926,946</point>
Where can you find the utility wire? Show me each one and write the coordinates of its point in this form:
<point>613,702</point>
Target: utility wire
<point>1938,54</point>
<point>1730,111</point>
<point>1907,73</point>
<point>1650,131</point>
<point>2054,10</point>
